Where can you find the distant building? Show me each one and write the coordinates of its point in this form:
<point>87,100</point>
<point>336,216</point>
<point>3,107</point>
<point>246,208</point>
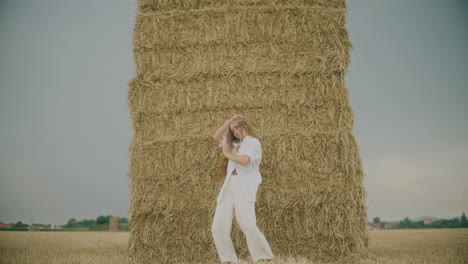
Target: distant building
<point>427,221</point>
<point>37,227</point>
<point>388,225</point>
<point>372,226</point>
<point>5,226</point>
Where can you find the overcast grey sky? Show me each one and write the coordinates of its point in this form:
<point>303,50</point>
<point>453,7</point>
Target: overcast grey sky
<point>65,124</point>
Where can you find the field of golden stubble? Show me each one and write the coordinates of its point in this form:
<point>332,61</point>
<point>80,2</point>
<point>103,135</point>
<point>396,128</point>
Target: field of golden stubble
<point>388,246</point>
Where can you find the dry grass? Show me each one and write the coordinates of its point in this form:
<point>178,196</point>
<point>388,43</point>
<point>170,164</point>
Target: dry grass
<point>419,246</point>
<point>63,247</point>
<point>388,246</point>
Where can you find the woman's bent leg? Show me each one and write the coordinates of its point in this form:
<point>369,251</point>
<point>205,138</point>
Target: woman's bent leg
<point>221,228</point>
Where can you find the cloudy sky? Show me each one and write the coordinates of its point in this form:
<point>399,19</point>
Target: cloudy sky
<point>65,125</point>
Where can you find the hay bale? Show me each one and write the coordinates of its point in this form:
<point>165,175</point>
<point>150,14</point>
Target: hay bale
<point>113,224</point>
<point>280,63</point>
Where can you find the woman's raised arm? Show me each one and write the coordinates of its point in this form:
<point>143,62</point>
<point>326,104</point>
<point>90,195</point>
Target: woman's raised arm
<point>218,135</point>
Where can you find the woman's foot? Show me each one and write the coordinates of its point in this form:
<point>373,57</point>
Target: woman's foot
<point>273,260</point>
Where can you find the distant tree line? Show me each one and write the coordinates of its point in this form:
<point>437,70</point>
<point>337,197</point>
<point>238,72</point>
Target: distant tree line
<point>20,226</point>
<point>101,223</point>
<point>442,223</point>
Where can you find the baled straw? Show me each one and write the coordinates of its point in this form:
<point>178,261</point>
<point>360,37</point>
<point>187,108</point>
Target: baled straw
<point>113,224</point>
<point>279,63</point>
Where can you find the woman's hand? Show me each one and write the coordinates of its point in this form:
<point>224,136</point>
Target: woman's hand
<point>234,118</point>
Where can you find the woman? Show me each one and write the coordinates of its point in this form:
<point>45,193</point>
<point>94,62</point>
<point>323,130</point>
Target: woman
<point>243,152</point>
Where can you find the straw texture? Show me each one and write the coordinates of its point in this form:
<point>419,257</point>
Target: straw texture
<point>281,64</point>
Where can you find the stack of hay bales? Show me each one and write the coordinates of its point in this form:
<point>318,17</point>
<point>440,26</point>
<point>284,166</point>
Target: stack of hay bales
<point>281,64</point>
<point>113,224</point>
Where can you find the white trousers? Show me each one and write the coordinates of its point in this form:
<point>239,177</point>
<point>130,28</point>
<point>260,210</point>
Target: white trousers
<point>234,199</point>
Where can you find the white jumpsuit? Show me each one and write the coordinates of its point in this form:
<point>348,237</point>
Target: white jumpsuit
<point>238,196</point>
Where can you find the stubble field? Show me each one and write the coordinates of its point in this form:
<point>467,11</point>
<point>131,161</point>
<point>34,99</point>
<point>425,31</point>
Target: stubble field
<point>388,246</point>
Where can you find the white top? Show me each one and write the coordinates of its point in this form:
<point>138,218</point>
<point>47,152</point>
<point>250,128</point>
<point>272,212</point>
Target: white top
<point>249,175</point>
